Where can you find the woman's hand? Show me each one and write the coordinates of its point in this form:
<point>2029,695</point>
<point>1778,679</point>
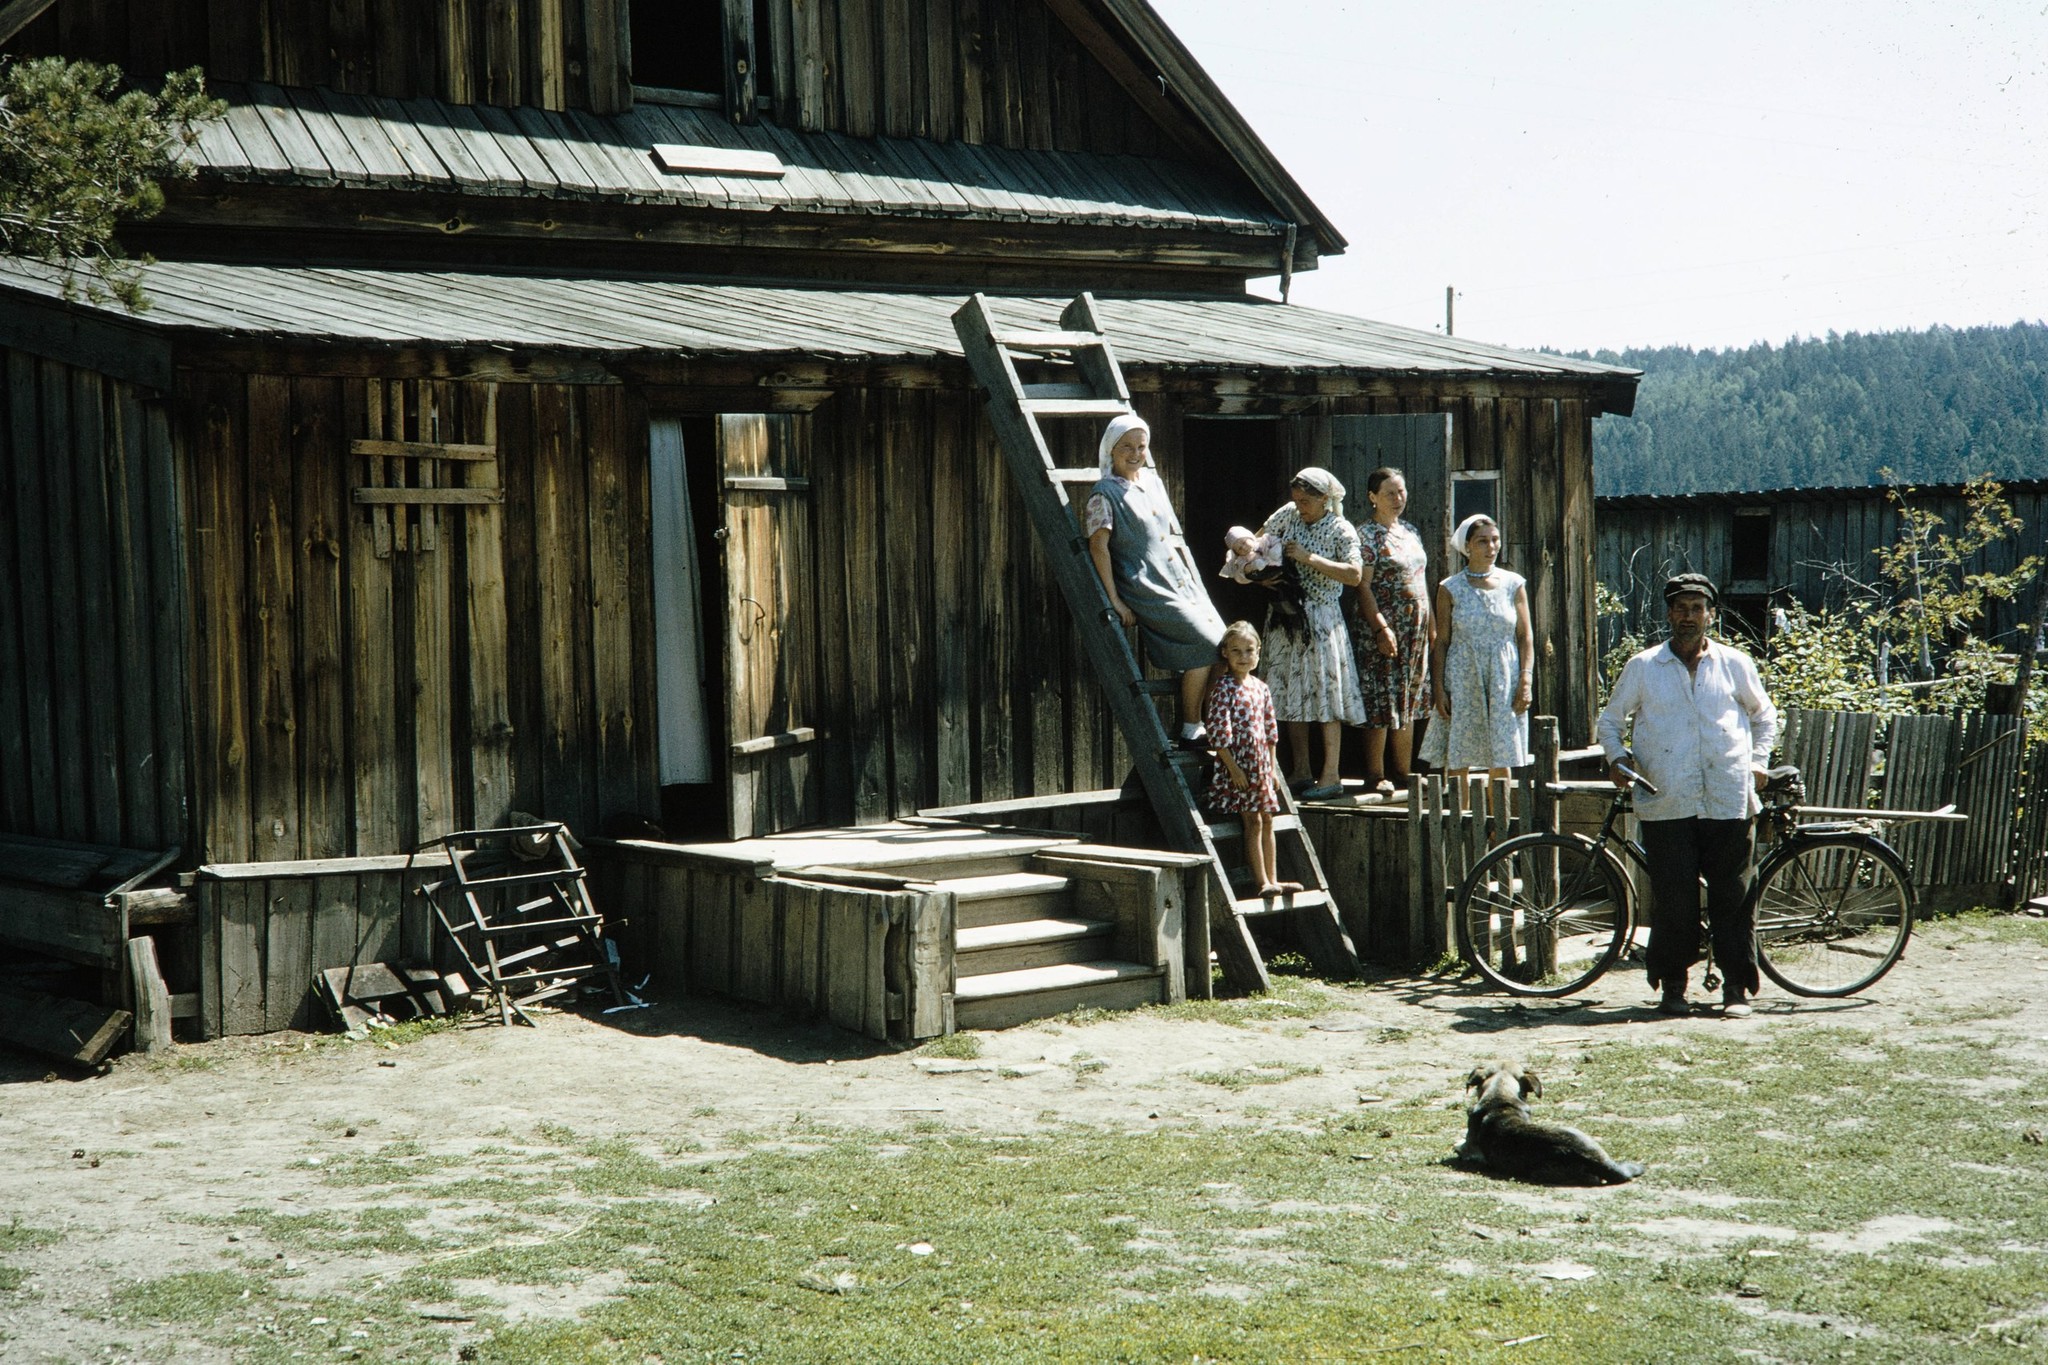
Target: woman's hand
<point>1387,645</point>
<point>1123,613</point>
<point>1443,701</point>
<point>1297,552</point>
<point>1522,697</point>
<point>1239,779</point>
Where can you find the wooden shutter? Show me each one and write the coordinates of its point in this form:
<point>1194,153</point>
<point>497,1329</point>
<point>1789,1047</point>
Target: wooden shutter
<point>770,623</point>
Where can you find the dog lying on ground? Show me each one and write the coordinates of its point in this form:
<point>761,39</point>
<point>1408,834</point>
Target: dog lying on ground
<point>1500,1135</point>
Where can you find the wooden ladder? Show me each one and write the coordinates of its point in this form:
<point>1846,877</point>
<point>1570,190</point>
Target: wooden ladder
<point>516,906</point>
<point>1098,393</point>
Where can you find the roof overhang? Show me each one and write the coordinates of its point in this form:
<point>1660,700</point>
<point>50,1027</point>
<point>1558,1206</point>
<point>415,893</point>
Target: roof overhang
<point>530,327</point>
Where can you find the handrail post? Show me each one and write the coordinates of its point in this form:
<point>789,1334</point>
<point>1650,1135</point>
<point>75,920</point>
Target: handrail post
<point>1543,744</point>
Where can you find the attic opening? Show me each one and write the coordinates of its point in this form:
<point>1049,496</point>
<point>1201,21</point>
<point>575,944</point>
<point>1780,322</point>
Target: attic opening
<point>681,45</point>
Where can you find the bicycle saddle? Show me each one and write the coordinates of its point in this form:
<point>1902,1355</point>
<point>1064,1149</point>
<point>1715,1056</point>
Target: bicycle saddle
<point>1785,784</point>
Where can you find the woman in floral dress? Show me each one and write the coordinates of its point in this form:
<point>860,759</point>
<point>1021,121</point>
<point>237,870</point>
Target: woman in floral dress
<point>1391,632</point>
<point>1311,671</point>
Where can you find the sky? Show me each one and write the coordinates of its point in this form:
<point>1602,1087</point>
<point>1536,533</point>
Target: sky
<point>1593,174</point>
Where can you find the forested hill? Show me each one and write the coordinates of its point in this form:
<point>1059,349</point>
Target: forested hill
<point>1936,407</point>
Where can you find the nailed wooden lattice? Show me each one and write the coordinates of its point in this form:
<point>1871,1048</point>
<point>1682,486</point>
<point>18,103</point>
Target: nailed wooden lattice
<point>409,481</point>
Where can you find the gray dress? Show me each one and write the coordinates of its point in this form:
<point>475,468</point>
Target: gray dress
<point>1176,620</point>
<point>1481,672</point>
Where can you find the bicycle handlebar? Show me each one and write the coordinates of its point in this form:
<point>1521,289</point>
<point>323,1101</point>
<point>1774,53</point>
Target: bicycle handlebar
<point>1632,775</point>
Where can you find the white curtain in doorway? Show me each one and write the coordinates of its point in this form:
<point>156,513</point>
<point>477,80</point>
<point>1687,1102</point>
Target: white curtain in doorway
<point>679,657</point>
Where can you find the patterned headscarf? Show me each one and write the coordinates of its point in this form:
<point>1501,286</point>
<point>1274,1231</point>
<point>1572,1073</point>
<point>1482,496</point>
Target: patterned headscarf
<point>1118,428</point>
<point>1464,531</point>
<point>1321,481</point>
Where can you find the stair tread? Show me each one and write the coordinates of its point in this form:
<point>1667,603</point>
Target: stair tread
<point>1310,899</point>
<point>1028,979</point>
<point>1051,929</point>
<point>994,884</point>
<point>1234,829</point>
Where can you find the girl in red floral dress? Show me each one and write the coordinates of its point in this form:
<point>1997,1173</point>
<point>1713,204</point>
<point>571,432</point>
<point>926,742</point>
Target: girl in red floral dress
<point>1239,717</point>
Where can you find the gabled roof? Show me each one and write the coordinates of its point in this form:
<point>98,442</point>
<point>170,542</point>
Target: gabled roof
<point>319,137</point>
<point>1141,26</point>
<point>616,320</point>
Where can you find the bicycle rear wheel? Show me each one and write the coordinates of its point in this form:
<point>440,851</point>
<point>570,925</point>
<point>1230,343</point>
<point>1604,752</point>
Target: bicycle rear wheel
<point>1833,912</point>
<point>1543,914</point>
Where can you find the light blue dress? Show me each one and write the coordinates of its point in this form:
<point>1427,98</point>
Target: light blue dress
<point>1176,620</point>
<point>1481,672</point>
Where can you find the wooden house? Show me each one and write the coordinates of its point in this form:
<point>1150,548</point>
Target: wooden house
<point>1811,546</point>
<point>551,406</point>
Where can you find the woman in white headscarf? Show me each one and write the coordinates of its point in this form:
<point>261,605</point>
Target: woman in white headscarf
<point>1484,652</point>
<point>1311,670</point>
<point>1145,567</point>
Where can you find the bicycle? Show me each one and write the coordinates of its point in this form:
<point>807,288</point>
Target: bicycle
<point>1546,914</point>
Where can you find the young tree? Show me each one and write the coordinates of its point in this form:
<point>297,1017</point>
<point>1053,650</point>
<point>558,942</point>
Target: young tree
<point>78,156</point>
<point>1936,600</point>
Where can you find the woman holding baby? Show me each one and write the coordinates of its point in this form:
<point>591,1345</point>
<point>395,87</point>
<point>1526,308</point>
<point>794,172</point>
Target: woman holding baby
<point>1311,670</point>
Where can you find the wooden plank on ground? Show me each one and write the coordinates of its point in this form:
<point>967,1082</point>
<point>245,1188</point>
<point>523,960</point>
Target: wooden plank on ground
<point>929,981</point>
<point>70,1030</point>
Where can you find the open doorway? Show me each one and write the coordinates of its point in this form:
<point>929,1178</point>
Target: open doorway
<point>689,611</point>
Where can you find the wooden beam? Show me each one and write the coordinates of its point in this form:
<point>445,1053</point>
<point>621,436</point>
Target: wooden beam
<point>422,450</point>
<point>19,14</point>
<point>428,497</point>
<point>76,925</point>
<point>737,28</point>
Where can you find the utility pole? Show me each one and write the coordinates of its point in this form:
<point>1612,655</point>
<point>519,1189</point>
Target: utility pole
<point>1450,295</point>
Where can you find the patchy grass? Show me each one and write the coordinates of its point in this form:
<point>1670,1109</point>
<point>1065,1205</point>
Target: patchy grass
<point>1774,1220</point>
<point>957,1047</point>
<point>1258,1073</point>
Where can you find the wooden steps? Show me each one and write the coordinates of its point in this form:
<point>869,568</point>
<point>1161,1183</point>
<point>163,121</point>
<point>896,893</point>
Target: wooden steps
<point>1005,999</point>
<point>1023,950</point>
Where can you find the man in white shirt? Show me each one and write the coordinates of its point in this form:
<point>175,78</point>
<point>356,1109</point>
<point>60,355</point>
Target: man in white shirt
<point>1702,737</point>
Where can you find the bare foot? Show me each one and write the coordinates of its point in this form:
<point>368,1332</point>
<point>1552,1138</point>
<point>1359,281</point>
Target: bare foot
<point>1287,887</point>
<point>1270,890</point>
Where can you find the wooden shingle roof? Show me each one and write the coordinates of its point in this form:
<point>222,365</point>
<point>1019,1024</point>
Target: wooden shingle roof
<point>612,317</point>
<point>318,137</point>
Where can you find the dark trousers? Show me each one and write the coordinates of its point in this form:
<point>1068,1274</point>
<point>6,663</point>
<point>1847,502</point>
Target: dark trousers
<point>1681,854</point>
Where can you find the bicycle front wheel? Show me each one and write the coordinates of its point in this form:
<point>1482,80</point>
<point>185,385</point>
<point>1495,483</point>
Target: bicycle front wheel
<point>1543,914</point>
<point>1833,913</point>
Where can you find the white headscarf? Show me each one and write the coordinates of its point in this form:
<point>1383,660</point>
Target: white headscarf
<point>1464,531</point>
<point>1321,480</point>
<point>1118,428</point>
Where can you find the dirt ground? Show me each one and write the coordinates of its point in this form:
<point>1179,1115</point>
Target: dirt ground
<point>127,1167</point>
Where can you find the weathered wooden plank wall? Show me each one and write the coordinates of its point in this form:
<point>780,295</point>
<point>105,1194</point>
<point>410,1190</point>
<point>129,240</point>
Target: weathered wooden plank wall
<point>1004,72</point>
<point>875,961</point>
<point>264,931</point>
<point>92,741</point>
<point>352,702</point>
<point>1821,544</point>
<point>553,53</point>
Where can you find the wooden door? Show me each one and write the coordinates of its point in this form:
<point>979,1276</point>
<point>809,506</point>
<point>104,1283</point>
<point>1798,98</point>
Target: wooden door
<point>1419,445</point>
<point>770,622</point>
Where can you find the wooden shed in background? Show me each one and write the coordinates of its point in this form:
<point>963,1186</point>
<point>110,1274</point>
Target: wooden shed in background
<point>534,417</point>
<point>1812,546</point>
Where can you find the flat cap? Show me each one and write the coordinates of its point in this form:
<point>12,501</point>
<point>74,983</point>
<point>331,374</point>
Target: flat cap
<point>1691,582</point>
